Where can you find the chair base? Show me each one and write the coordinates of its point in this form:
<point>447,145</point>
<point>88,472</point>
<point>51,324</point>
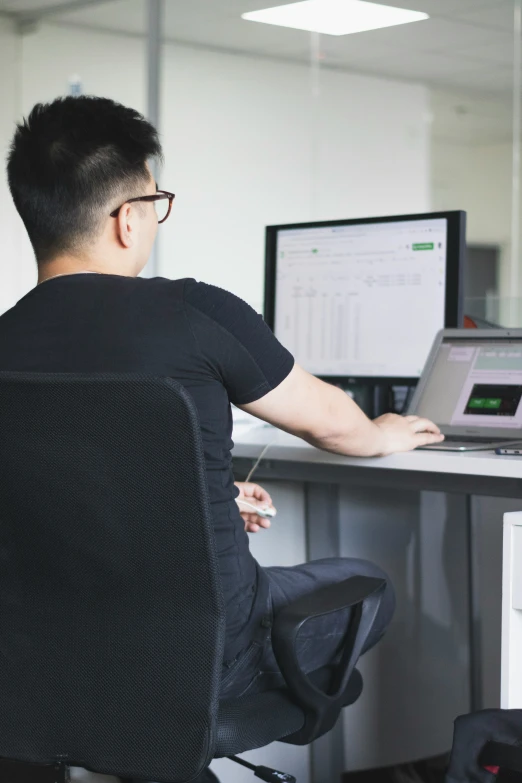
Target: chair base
<point>26,772</point>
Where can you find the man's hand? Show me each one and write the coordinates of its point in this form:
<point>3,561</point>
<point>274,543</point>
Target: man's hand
<point>253,496</point>
<point>404,433</point>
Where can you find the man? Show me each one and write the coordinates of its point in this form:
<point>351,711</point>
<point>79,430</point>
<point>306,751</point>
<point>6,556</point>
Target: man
<point>79,176</point>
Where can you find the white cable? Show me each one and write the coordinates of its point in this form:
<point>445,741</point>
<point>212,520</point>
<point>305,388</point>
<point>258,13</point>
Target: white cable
<point>256,464</point>
<point>268,513</point>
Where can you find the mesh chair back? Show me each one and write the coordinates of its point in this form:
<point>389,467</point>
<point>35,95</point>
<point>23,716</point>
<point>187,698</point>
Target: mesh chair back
<point>111,614</point>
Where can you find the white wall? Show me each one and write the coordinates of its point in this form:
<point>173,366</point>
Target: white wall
<point>246,145</point>
<point>477,178</point>
<point>16,267</point>
<point>108,65</point>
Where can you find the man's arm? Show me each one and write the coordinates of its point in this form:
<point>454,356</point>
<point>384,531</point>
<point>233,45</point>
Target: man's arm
<point>239,349</point>
<point>329,419</point>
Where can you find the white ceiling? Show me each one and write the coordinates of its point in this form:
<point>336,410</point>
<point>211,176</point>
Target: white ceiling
<point>465,49</point>
<point>39,6</point>
<point>465,44</point>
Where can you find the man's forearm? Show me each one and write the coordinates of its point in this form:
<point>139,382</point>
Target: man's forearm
<point>364,441</point>
<point>343,428</point>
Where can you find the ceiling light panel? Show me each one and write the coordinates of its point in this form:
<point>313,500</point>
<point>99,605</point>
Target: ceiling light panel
<point>335,17</point>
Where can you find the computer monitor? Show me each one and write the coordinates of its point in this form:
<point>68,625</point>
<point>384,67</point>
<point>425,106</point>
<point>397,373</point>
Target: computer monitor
<point>364,299</point>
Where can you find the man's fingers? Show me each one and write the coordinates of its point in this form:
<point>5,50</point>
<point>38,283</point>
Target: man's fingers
<point>425,438</point>
<point>263,496</point>
<point>249,516</point>
<point>255,491</point>
<point>422,425</point>
<point>257,520</point>
<point>255,527</point>
<point>425,425</point>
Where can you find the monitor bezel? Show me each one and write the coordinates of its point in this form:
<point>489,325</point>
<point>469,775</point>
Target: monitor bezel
<point>455,256</point>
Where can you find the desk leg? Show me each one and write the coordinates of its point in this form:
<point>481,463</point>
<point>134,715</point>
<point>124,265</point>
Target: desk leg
<point>322,521</point>
<point>323,540</point>
<point>438,521</point>
<point>476,696</point>
<point>511,676</point>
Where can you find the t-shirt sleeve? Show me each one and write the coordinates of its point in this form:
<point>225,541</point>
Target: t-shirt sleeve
<point>235,342</point>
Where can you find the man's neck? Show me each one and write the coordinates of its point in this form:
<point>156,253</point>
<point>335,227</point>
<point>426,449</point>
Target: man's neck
<point>60,267</point>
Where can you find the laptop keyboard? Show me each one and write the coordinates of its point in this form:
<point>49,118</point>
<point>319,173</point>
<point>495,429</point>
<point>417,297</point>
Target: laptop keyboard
<point>474,439</point>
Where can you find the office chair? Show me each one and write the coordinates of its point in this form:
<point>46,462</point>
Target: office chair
<point>111,615</point>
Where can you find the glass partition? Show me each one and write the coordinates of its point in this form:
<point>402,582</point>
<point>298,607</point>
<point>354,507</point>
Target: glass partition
<point>265,124</point>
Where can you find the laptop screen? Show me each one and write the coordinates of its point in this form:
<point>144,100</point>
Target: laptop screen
<point>475,384</point>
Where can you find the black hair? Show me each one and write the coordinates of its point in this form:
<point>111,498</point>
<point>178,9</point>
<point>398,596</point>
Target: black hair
<point>70,163</point>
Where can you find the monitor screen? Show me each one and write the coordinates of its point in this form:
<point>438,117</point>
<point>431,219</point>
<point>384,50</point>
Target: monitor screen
<point>362,299</point>
<point>475,383</point>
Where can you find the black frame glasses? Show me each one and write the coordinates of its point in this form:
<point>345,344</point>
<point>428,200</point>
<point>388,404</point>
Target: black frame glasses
<point>159,196</point>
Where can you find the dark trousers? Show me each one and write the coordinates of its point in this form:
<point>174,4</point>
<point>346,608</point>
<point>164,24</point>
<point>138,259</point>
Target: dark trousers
<point>320,640</point>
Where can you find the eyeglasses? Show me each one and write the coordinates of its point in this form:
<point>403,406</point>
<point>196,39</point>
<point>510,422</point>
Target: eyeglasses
<point>162,204</point>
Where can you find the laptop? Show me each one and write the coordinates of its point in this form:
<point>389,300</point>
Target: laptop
<point>471,387</point>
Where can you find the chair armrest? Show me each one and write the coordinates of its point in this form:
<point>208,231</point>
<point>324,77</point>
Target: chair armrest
<point>361,594</point>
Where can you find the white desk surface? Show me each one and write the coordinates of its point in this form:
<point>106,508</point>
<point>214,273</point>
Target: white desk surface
<point>249,442</point>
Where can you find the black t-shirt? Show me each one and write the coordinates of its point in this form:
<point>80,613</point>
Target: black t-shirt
<point>206,338</point>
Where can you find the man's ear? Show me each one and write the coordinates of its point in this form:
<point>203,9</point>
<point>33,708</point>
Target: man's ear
<point>124,226</point>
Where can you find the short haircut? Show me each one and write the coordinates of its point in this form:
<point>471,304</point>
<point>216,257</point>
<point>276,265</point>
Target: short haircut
<point>73,161</point>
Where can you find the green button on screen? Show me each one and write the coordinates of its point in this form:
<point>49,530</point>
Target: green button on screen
<point>493,403</point>
<point>423,246</point>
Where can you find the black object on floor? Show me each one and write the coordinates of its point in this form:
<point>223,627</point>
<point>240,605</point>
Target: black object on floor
<point>426,771</point>
<point>490,739</point>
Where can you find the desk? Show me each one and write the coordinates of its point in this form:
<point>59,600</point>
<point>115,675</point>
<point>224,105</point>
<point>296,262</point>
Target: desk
<point>415,515</point>
<point>439,471</point>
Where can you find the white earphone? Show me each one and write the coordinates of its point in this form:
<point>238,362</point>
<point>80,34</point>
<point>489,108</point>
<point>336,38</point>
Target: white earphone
<point>265,513</point>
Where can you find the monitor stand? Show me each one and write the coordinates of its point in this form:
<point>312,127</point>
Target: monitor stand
<point>376,399</point>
